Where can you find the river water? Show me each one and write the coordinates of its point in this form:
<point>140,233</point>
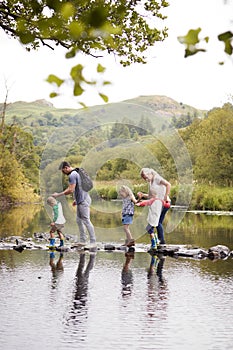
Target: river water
<point>108,300</point>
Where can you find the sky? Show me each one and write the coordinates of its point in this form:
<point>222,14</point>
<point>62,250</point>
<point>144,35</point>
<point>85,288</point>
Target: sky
<point>198,81</point>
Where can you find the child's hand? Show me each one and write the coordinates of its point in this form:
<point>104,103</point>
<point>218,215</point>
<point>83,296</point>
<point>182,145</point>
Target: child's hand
<point>52,224</point>
<point>139,194</point>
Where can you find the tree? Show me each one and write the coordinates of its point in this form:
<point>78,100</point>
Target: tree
<point>120,131</point>
<point>123,28</point>
<point>210,145</point>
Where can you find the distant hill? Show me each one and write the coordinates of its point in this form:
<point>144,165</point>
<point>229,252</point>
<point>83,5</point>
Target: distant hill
<point>42,118</point>
<point>163,105</point>
<point>166,106</point>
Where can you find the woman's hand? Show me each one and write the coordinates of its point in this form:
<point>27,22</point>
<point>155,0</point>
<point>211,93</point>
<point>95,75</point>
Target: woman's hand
<point>140,195</point>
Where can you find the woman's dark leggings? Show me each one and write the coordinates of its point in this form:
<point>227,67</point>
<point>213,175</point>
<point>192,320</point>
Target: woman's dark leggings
<point>159,228</point>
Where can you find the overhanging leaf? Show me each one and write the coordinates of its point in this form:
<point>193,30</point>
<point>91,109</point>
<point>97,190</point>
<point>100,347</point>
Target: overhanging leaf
<point>227,39</point>
<point>78,90</point>
<point>104,97</point>
<point>54,79</point>
<point>100,68</point>
<point>53,94</point>
<point>67,10</point>
<point>191,38</point>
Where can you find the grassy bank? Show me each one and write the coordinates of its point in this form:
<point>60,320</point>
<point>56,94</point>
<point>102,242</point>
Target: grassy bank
<point>203,197</point>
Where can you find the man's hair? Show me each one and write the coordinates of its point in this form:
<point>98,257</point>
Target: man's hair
<point>63,165</point>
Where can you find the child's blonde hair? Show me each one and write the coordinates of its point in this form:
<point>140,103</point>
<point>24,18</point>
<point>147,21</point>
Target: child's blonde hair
<point>126,190</point>
<point>51,201</point>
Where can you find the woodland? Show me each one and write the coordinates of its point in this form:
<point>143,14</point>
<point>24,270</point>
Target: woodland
<point>34,137</point>
<point>33,144</point>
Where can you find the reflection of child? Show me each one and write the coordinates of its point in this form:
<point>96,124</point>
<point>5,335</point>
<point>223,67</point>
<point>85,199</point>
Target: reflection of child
<point>56,267</point>
<point>127,275</point>
<point>129,200</point>
<point>58,221</point>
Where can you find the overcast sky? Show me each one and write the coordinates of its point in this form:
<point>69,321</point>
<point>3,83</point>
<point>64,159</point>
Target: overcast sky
<point>198,80</point>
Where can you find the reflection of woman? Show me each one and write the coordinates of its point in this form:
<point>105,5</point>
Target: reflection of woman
<point>156,264</point>
<point>159,208</point>
<point>157,292</point>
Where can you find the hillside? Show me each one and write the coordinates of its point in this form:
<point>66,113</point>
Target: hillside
<point>43,120</point>
<point>41,112</point>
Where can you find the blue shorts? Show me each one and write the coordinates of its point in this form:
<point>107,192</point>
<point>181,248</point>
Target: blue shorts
<point>127,219</point>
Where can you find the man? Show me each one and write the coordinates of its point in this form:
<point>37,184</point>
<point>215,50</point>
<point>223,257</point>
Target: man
<point>82,201</point>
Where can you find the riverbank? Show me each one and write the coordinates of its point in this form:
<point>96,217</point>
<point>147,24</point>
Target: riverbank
<point>6,203</point>
<point>196,197</point>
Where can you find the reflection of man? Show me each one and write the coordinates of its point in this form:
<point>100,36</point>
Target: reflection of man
<point>82,201</point>
<point>82,276</point>
<point>126,275</point>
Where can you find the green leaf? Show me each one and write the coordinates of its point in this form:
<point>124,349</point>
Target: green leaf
<point>53,94</point>
<point>76,73</point>
<point>192,52</point>
<point>53,79</point>
<point>76,29</point>
<point>227,39</point>
<point>104,97</point>
<point>83,104</point>
<point>71,53</point>
<point>107,82</point>
<point>26,38</point>
<point>100,68</point>
<point>98,16</point>
<point>67,10</point>
<point>78,90</point>
<point>191,38</point>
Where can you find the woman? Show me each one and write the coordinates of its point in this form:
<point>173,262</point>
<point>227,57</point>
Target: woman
<point>158,209</point>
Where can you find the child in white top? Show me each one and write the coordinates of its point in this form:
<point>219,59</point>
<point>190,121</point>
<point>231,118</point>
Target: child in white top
<point>58,222</point>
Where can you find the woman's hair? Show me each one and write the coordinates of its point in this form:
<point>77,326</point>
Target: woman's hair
<point>51,201</point>
<point>126,190</point>
<point>147,171</point>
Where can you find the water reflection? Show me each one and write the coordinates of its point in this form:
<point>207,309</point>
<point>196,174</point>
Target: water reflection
<point>196,229</point>
<point>78,313</point>
<point>127,275</point>
<point>56,267</point>
<point>17,220</point>
<point>157,289</point>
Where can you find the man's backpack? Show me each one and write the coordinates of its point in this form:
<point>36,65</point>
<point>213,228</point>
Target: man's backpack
<point>86,181</point>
